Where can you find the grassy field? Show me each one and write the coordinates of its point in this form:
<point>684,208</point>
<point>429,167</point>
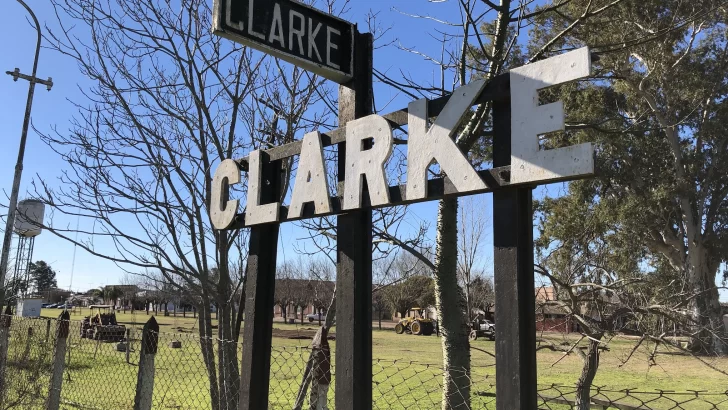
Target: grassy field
<point>405,371</point>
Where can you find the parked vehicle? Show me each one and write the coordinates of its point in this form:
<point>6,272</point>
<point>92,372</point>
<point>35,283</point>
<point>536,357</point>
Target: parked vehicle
<point>103,325</point>
<point>316,317</point>
<point>480,327</point>
<point>416,325</point>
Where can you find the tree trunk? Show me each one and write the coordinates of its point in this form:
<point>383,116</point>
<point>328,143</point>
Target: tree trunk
<point>228,370</point>
<point>467,299</point>
<point>705,309</point>
<point>451,311</point>
<point>583,386</point>
<point>229,376</point>
<point>208,351</point>
<point>241,310</point>
<point>380,319</point>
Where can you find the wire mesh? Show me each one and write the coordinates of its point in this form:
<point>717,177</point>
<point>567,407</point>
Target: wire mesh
<point>193,372</point>
<point>27,370</point>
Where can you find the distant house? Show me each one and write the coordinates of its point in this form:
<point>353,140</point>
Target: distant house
<point>55,295</point>
<point>551,318</point>
<point>724,308</point>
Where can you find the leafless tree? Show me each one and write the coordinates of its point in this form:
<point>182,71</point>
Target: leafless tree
<point>472,234</point>
<point>482,292</point>
<point>481,44</point>
<point>286,288</point>
<point>169,101</point>
<point>323,287</point>
<point>606,294</point>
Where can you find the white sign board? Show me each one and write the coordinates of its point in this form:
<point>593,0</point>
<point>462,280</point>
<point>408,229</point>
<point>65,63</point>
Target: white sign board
<point>28,307</point>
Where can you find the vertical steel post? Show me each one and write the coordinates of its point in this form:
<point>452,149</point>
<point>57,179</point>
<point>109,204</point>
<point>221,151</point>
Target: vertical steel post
<point>259,293</point>
<point>515,334</point>
<point>354,256</point>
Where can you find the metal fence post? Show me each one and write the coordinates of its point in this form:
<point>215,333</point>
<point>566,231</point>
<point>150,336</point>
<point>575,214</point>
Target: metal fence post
<point>145,375</point>
<point>5,321</point>
<point>62,330</point>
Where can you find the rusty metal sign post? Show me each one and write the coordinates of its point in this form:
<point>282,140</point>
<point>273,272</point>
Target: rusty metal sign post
<point>289,30</point>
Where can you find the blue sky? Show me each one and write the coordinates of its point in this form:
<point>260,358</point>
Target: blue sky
<point>54,109</point>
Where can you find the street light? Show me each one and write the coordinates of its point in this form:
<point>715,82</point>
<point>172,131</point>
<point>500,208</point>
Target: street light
<point>32,79</point>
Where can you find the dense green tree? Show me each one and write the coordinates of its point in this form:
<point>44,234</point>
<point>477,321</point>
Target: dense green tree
<point>112,294</point>
<point>656,113</point>
<point>43,276</point>
<point>415,291</point>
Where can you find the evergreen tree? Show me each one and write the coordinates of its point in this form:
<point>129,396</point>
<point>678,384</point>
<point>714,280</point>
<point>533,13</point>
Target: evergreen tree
<point>656,112</point>
<point>43,276</point>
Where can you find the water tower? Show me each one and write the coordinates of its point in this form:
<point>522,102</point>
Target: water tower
<point>28,222</point>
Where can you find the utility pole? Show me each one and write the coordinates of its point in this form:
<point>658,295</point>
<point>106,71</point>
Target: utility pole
<point>32,79</point>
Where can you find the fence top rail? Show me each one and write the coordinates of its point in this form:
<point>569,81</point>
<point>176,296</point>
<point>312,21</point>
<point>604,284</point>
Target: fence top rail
<point>498,89</point>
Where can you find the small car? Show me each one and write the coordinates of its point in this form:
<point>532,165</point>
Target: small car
<point>316,316</point>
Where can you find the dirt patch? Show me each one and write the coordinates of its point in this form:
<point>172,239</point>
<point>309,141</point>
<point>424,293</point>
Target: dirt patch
<point>302,333</point>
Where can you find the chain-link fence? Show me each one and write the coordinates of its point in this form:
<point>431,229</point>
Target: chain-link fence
<point>103,367</point>
<point>562,397</point>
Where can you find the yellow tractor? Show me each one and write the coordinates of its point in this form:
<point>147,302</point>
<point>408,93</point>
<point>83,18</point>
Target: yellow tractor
<point>416,324</point>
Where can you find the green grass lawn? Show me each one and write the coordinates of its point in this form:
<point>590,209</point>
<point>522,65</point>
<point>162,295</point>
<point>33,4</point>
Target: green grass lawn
<point>406,369</point>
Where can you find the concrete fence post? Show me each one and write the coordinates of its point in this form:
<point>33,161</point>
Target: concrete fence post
<point>145,375</point>
<point>59,355</point>
<point>5,321</point>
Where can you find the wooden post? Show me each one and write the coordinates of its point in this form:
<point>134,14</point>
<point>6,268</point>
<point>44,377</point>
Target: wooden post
<point>259,292</point>
<point>128,345</point>
<point>5,322</point>
<point>28,343</point>
<point>48,330</point>
<point>354,256</point>
<point>515,330</point>
<point>62,330</point>
<point>145,375</point>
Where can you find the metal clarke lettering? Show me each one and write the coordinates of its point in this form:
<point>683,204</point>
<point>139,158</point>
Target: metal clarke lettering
<point>426,144</point>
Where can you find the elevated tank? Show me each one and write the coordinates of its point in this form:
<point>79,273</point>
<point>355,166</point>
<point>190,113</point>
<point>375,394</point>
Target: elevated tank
<point>29,217</point>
